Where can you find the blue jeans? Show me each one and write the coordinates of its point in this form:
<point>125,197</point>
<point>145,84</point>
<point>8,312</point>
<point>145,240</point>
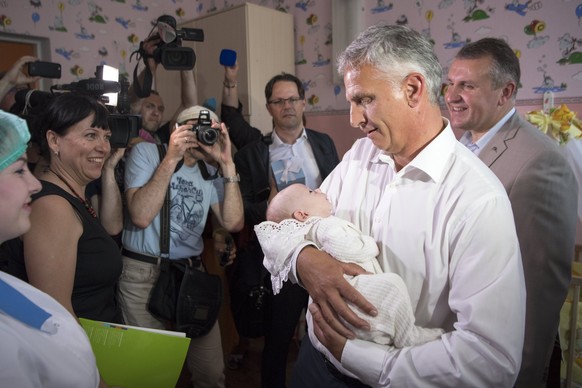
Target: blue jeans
<point>204,359</point>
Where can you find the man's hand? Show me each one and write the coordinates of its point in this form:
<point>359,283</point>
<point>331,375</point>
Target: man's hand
<point>323,278</point>
<point>18,75</point>
<point>231,73</point>
<point>331,339</point>
<point>114,158</point>
<point>181,139</point>
<point>220,246</point>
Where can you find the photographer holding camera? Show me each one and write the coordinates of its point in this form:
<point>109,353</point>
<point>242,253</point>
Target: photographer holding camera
<point>146,101</point>
<point>15,79</point>
<point>194,143</point>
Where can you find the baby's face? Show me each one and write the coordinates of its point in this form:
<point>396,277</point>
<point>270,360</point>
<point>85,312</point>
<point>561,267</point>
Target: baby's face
<point>314,202</point>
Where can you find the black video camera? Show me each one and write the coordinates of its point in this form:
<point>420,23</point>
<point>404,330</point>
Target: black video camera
<point>123,126</point>
<point>170,52</point>
<point>204,132</point>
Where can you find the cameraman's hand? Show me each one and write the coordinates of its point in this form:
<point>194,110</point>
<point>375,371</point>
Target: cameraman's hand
<point>18,74</point>
<point>149,46</point>
<point>181,139</point>
<point>114,158</point>
<point>220,246</point>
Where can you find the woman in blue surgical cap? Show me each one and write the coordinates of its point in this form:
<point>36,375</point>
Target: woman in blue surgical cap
<point>41,342</point>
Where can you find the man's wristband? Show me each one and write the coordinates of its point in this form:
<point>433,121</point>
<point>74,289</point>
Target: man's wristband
<point>229,85</point>
<point>231,179</point>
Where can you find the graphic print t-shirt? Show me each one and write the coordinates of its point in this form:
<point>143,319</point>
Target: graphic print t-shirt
<point>190,200</point>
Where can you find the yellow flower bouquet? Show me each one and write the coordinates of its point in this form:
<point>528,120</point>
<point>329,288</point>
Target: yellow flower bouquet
<point>560,123</point>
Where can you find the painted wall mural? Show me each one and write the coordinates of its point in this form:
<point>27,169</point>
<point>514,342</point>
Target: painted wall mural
<point>545,34</point>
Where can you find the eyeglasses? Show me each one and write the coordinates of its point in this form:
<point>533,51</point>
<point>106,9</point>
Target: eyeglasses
<point>281,102</point>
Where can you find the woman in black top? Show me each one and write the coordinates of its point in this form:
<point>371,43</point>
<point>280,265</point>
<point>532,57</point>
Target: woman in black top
<point>68,252</point>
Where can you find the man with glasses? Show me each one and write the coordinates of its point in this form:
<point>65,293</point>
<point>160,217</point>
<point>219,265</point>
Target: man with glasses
<point>290,154</point>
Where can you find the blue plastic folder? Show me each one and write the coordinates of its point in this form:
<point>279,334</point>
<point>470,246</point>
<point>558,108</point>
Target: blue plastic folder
<point>136,357</point>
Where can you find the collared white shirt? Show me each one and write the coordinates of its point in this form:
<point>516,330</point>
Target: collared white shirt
<point>466,138</point>
<point>445,225</point>
<point>301,150</point>
<point>30,357</point>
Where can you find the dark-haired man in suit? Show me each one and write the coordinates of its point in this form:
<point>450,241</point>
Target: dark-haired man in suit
<point>480,96</point>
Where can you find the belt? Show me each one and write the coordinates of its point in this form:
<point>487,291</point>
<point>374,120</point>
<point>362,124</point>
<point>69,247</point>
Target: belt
<point>195,260</point>
<point>347,380</point>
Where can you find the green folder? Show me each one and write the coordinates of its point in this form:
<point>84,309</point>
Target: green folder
<point>129,356</point>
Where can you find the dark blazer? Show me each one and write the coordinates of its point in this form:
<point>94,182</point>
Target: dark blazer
<point>543,193</point>
<point>252,163</point>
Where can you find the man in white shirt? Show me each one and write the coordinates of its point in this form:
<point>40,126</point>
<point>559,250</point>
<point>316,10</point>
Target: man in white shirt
<point>442,221</point>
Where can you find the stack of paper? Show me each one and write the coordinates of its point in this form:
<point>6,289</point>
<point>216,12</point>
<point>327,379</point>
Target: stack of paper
<point>129,356</point>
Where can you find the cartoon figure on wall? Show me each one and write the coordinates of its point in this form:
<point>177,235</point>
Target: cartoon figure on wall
<point>103,52</point>
<point>309,84</point>
<point>548,83</point>
<point>534,28</point>
<point>428,15</point>
<point>402,20</point>
<point>95,12</point>
<point>138,6</point>
<point>76,71</point>
<point>59,24</point>
<point>84,34</point>
<point>311,21</point>
<point>568,45</point>
<point>67,54</point>
<point>522,8</point>
<point>280,6</point>
<point>321,61</point>
<point>444,4</point>
<point>328,34</point>
<point>299,54</point>
<point>303,5</point>
<point>381,7</point>
<point>474,13</point>
<point>313,100</point>
<point>125,23</point>
<point>35,18</point>
<point>456,40</point>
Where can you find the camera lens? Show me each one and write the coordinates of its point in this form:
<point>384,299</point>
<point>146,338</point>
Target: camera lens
<point>207,135</point>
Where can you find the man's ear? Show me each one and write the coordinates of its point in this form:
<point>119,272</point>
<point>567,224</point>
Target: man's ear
<point>300,215</point>
<point>507,93</point>
<point>415,86</point>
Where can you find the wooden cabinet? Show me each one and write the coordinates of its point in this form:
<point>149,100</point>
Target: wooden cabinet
<point>263,40</point>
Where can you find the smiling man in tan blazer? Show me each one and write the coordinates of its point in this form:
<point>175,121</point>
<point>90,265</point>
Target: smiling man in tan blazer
<point>481,90</point>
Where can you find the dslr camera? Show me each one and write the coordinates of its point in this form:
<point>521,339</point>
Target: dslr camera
<point>204,132</point>
<point>170,52</point>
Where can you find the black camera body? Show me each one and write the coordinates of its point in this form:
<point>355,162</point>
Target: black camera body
<point>204,132</point>
<point>43,69</point>
<point>171,54</point>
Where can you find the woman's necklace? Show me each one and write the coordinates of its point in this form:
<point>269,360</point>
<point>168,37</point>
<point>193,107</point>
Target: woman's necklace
<point>83,200</point>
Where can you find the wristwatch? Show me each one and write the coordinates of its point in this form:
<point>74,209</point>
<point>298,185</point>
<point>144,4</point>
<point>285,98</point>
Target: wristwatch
<point>231,179</point>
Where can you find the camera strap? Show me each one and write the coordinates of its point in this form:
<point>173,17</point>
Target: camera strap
<point>142,91</point>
